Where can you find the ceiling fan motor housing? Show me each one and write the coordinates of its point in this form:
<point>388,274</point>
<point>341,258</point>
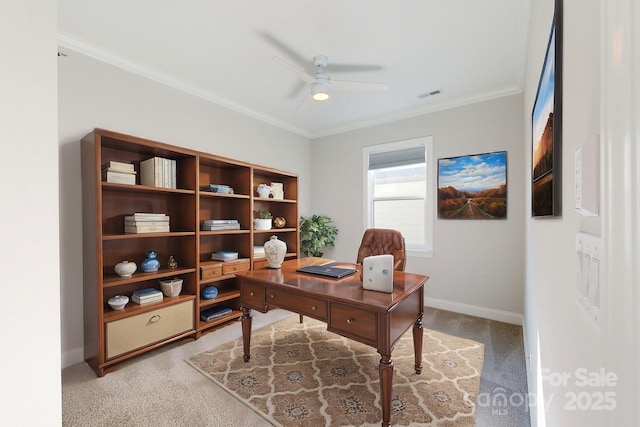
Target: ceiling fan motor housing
<point>320,61</point>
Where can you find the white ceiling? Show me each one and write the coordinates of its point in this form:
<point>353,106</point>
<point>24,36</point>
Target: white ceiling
<point>470,50</point>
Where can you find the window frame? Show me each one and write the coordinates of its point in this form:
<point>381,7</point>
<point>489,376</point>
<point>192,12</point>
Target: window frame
<point>429,214</point>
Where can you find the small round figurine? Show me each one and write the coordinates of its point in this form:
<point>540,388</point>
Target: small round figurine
<point>279,222</point>
<point>125,268</point>
<point>151,263</point>
<point>209,292</point>
<point>172,263</point>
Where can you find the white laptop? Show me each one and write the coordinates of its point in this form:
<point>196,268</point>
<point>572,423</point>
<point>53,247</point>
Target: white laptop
<point>377,273</point>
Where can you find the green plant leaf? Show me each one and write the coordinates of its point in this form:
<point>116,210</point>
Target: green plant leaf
<point>316,232</point>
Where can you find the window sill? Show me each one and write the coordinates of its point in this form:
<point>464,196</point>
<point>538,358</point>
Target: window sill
<point>414,253</point>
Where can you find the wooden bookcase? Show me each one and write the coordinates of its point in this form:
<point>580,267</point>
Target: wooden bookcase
<point>141,328</point>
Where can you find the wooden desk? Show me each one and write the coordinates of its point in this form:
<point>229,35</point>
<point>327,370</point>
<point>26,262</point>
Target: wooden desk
<point>373,318</point>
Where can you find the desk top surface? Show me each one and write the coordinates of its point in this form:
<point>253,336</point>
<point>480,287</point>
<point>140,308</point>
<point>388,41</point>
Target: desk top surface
<point>346,289</point>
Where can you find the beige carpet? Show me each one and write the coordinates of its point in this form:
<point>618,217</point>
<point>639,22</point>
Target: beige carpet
<point>302,375</point>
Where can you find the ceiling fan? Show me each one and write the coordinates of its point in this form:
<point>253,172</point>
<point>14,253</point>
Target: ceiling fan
<point>321,85</point>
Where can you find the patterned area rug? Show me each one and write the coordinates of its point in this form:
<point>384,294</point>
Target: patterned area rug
<point>301,375</point>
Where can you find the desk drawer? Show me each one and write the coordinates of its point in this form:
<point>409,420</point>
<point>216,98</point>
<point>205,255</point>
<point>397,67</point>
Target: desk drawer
<point>252,297</point>
<point>353,322</point>
<point>310,306</point>
<point>147,328</point>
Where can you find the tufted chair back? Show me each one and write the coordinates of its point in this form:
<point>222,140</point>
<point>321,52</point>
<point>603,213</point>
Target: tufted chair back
<point>382,241</point>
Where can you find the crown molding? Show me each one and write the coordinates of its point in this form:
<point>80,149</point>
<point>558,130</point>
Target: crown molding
<point>79,46</point>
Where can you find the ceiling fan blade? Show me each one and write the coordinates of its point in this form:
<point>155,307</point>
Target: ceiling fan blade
<point>352,68</point>
<point>286,50</point>
<point>343,85</point>
<point>297,71</point>
<point>297,90</point>
<point>305,102</point>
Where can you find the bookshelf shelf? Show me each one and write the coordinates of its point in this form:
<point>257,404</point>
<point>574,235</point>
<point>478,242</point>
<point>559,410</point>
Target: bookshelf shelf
<point>105,205</point>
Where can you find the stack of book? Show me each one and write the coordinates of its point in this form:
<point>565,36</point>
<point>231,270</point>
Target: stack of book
<point>258,252</point>
<point>224,256</point>
<point>220,224</point>
<point>119,173</point>
<point>158,172</point>
<point>147,295</point>
<point>217,188</point>
<point>214,313</point>
<point>146,223</point>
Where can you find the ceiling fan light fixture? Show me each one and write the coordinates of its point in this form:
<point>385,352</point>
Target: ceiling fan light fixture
<point>320,91</point>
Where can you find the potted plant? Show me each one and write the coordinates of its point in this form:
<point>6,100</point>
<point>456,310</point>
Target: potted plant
<point>263,221</point>
<point>316,232</point>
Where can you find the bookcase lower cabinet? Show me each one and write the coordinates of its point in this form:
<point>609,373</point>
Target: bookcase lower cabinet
<point>189,205</point>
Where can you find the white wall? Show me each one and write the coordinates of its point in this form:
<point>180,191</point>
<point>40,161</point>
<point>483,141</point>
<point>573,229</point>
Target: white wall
<point>478,265</point>
<point>559,336</point>
<point>94,94</point>
<point>29,246</point>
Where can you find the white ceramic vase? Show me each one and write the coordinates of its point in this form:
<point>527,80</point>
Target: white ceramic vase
<point>125,268</point>
<point>274,251</point>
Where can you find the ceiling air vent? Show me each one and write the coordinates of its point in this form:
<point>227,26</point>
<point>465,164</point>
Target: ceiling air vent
<point>428,94</point>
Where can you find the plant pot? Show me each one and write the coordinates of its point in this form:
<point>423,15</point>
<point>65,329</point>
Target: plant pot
<point>171,287</point>
<point>262,224</point>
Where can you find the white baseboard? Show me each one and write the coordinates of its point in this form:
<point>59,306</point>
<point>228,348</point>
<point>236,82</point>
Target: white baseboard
<point>72,357</point>
<point>474,310</point>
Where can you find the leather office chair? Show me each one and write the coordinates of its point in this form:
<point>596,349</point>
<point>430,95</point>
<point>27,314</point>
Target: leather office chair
<point>383,241</point>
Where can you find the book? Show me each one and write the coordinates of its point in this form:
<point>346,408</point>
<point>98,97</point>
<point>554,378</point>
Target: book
<point>146,291</point>
<point>215,227</point>
<point>216,188</point>
<point>145,223</point>
<point>133,229</point>
<point>107,169</point>
<point>224,255</point>
<point>152,172</point>
<point>148,297</point>
<point>147,217</point>
<point>148,214</point>
<point>146,301</point>
<point>118,177</point>
<point>141,219</point>
<point>174,181</point>
<point>166,173</point>
<point>214,313</point>
<point>119,166</point>
<point>219,221</point>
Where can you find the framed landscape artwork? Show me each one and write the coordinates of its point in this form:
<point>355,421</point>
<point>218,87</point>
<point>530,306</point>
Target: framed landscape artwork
<point>546,129</point>
<point>473,187</point>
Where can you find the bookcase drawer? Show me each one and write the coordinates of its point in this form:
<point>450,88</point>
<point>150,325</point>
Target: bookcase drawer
<point>232,267</point>
<point>147,328</point>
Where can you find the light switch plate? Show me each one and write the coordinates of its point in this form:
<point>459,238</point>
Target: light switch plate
<point>589,281</point>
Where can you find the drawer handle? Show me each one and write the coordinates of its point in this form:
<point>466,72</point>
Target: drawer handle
<point>314,308</point>
<point>155,318</point>
<point>251,293</point>
<point>350,320</point>
<point>272,296</point>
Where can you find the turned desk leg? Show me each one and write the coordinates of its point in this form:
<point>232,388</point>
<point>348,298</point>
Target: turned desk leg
<point>386,382</point>
<point>246,333</point>
<point>418,334</point>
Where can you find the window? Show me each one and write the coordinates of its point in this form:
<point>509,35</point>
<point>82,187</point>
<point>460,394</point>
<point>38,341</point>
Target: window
<point>398,184</point>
